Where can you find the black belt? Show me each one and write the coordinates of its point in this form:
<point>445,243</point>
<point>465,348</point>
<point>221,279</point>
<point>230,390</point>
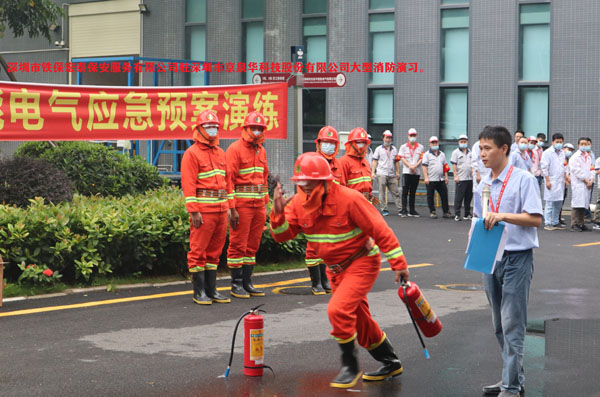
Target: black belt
<point>340,267</point>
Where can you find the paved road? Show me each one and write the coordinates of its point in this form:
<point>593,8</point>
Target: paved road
<point>155,341</point>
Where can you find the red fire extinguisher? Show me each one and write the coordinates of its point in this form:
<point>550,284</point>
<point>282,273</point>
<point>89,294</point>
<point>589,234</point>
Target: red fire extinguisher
<point>419,309</point>
<point>254,343</point>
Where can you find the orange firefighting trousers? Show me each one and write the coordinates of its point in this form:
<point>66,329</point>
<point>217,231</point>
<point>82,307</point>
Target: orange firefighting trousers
<point>244,240</point>
<point>348,307</point>
<point>206,242</point>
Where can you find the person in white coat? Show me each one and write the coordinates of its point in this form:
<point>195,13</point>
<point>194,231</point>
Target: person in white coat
<point>553,170</point>
<point>582,179</point>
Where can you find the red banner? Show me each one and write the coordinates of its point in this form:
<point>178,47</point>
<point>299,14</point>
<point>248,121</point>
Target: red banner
<point>38,112</point>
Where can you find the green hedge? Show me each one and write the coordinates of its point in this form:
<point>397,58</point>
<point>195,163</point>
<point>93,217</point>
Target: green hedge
<point>97,169</point>
<point>145,233</point>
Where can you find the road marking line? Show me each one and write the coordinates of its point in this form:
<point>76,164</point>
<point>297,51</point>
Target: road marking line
<point>586,244</point>
<point>158,296</point>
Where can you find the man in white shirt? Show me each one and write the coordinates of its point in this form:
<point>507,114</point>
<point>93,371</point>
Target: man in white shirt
<point>386,169</point>
<point>582,179</point>
<point>553,170</point>
<point>411,156</point>
<point>463,177</point>
<point>435,172</point>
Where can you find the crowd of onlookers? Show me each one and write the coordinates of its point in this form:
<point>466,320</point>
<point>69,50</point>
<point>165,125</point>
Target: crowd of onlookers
<point>557,165</point>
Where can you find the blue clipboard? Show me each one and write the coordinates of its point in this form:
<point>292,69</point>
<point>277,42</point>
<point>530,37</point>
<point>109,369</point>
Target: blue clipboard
<point>483,247</point>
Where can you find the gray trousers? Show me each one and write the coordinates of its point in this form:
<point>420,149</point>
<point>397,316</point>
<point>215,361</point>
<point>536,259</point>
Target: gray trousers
<point>391,183</point>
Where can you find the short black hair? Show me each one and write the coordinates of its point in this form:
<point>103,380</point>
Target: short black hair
<point>499,135</point>
<point>558,135</point>
<point>541,135</point>
<point>582,139</point>
<point>519,131</point>
<point>481,133</point>
<point>589,139</point>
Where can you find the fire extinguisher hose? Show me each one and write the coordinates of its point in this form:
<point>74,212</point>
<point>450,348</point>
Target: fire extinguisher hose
<point>413,320</point>
<point>251,311</point>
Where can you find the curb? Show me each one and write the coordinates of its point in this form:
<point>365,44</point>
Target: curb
<point>73,291</point>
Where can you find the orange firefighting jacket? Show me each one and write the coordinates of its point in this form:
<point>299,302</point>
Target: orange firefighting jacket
<point>336,169</point>
<point>356,173</point>
<point>247,166</point>
<point>204,168</point>
<point>339,228</point>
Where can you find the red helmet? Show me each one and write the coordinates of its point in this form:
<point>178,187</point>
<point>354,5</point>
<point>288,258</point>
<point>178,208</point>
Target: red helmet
<point>207,117</point>
<point>311,166</point>
<point>358,134</point>
<point>327,133</point>
<point>255,119</point>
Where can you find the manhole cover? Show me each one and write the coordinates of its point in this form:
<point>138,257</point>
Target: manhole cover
<point>293,290</point>
<point>461,287</point>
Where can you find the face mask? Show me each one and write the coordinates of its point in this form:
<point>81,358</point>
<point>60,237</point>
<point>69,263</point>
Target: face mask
<point>462,145</point>
<point>522,146</point>
<point>558,146</point>
<point>211,131</point>
<point>256,132</point>
<point>585,148</point>
<point>387,144</point>
<point>531,146</point>
<point>436,147</point>
<point>360,145</point>
<point>327,148</point>
<point>540,144</point>
<point>568,153</point>
<point>412,139</point>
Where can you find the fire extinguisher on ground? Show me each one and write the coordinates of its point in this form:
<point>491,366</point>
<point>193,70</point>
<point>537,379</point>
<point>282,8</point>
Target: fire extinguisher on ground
<point>420,312</point>
<point>254,347</point>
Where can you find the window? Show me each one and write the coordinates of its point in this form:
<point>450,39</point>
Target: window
<point>381,4</point>
<point>195,32</point>
<point>453,113</point>
<point>253,31</point>
<point>533,109</point>
<point>455,45</point>
<point>447,2</point>
<point>534,60</point>
<point>534,68</point>
<point>315,39</point>
<point>381,45</point>
<point>314,7</point>
<point>380,114</point>
<point>313,117</point>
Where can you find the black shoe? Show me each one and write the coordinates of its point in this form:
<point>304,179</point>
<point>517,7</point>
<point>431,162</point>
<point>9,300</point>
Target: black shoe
<point>198,284</point>
<point>210,287</point>
<point>414,214</point>
<point>247,277</point>
<point>349,374</point>
<point>433,215</point>
<point>385,354</point>
<point>324,279</point>
<point>403,214</point>
<point>237,285</point>
<point>447,215</point>
<point>584,228</point>
<point>494,390</point>
<point>315,280</point>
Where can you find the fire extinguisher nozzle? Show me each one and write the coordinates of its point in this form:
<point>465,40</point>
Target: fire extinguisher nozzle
<point>427,354</point>
<point>227,372</point>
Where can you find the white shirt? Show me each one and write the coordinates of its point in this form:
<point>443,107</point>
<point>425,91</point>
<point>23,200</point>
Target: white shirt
<point>435,165</point>
<point>597,169</point>
<point>553,166</point>
<point>463,164</point>
<point>386,160</point>
<point>580,166</point>
<point>412,153</point>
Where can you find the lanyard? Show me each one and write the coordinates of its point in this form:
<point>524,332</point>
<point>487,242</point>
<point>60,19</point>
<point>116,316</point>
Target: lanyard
<point>412,151</point>
<point>501,191</point>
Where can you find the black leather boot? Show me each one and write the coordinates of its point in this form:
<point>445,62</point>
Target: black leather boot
<point>247,277</point>
<point>237,287</point>
<point>315,280</point>
<point>199,294</point>
<point>349,374</point>
<point>324,279</point>
<point>210,287</point>
<point>385,354</point>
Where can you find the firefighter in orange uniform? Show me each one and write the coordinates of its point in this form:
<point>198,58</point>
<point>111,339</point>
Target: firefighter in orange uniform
<point>205,187</point>
<point>328,146</point>
<point>248,173</point>
<point>343,226</point>
<point>356,170</point>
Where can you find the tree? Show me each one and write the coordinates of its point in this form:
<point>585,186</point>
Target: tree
<point>33,16</point>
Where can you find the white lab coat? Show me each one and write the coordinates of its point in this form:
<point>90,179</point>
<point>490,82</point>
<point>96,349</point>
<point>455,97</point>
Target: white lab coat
<point>553,166</point>
<point>580,167</point>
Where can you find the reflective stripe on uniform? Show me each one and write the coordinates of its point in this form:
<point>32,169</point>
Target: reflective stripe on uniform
<point>235,261</point>
<point>251,195</point>
<point>230,196</point>
<point>249,260</point>
<point>251,170</point>
<point>332,238</point>
<point>280,229</point>
<point>212,266</point>
<point>208,174</point>
<point>313,261</point>
<point>374,251</point>
<point>359,180</point>
<point>395,253</point>
<point>205,200</point>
